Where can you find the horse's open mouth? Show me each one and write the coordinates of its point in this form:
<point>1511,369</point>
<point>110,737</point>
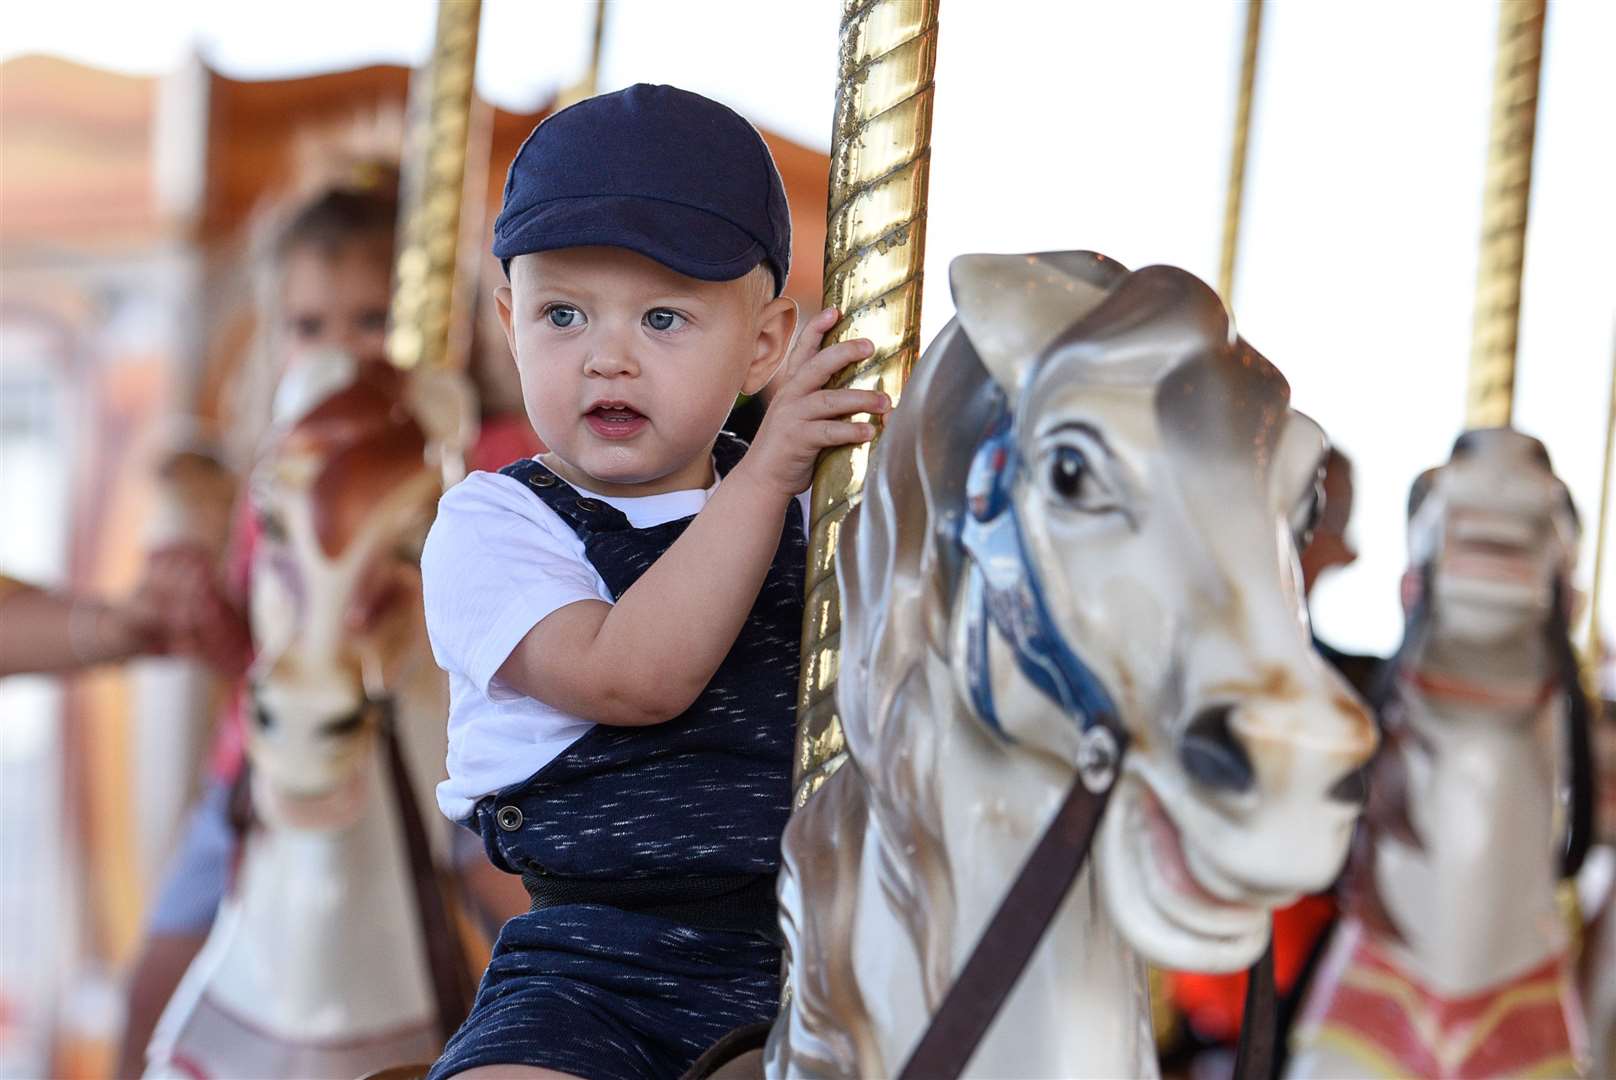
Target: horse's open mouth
<point>331,809</point>
<point>1162,906</point>
<point>1167,847</point>
<point>1486,562</point>
<point>1490,547</point>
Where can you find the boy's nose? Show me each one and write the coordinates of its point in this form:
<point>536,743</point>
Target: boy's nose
<point>608,360</point>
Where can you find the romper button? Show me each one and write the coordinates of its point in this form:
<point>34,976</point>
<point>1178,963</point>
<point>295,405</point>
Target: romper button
<point>509,818</point>
<point>542,480</point>
<point>589,506</point>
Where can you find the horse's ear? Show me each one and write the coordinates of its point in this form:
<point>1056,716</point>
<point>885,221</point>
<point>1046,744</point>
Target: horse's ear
<point>1013,306</point>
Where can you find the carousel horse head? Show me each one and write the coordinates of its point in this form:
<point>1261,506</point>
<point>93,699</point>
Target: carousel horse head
<point>1492,539</point>
<point>1114,488</point>
<point>343,500</point>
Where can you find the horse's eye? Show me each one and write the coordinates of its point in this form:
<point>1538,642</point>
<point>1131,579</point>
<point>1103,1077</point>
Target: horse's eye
<point>1068,472</point>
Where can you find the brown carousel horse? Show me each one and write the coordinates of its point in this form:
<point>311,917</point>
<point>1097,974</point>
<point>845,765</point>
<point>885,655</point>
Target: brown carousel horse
<point>324,961</point>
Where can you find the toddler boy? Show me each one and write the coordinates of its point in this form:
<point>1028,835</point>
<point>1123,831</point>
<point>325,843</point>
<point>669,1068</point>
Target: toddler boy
<point>619,617</point>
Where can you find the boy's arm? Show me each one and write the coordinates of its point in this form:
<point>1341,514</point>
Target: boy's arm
<point>646,658</point>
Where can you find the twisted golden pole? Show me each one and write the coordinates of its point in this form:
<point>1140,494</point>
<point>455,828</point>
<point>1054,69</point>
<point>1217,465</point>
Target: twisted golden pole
<point>1596,596</point>
<point>434,178</point>
<point>874,249</point>
<point>1234,196</point>
<point>1503,215</point>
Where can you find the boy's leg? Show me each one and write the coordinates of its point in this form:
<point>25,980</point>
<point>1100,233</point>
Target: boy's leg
<point>604,994</point>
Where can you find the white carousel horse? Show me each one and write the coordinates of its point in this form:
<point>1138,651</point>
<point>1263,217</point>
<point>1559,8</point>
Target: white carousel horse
<point>1451,960</point>
<point>315,965</point>
<point>1146,479</point>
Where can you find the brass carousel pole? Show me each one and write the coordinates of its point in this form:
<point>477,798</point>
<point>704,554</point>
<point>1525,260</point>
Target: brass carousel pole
<point>433,183</point>
<point>419,339</point>
<point>1594,650</point>
<point>1234,197</point>
<point>874,250</point>
<point>1503,215</point>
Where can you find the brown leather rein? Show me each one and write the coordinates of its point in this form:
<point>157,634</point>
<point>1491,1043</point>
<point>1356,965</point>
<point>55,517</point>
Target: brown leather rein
<point>1005,947</point>
<point>447,967</point>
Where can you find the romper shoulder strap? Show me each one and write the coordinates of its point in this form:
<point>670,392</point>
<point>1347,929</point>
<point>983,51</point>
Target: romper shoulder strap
<point>581,513</point>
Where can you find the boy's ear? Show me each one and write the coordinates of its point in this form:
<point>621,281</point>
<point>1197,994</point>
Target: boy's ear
<point>502,301</point>
<point>777,325</point>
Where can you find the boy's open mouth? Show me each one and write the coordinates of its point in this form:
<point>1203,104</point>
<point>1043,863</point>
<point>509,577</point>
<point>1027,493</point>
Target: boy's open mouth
<point>615,420</point>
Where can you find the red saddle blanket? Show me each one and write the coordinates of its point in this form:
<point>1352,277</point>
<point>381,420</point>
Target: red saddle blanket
<point>1367,1007</point>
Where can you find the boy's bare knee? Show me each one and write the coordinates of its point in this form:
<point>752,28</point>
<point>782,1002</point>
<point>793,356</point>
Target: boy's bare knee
<point>511,1072</point>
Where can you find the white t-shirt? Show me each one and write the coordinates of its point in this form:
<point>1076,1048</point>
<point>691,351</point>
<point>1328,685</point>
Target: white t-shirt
<point>497,561</point>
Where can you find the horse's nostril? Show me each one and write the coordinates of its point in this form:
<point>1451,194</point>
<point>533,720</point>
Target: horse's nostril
<point>345,725</point>
<point>1210,752</point>
<point>1353,788</point>
<point>266,720</point>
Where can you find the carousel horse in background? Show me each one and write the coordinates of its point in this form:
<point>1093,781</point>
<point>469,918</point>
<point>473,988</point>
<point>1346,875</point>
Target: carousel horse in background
<point>1083,516</point>
<point>1451,960</point>
<point>317,964</point>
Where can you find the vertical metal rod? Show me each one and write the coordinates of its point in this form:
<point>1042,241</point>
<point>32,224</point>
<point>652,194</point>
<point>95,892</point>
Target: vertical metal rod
<point>596,42</point>
<point>1491,392</point>
<point>433,183</point>
<point>874,251</point>
<point>1593,652</point>
<point>1234,196</point>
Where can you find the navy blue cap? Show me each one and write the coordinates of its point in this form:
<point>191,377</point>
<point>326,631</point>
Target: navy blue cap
<point>658,170</point>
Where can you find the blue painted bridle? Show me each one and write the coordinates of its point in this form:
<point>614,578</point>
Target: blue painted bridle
<point>1003,591</point>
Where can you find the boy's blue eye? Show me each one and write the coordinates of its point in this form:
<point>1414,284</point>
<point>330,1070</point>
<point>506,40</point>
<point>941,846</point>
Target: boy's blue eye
<point>663,319</point>
<point>564,316</point>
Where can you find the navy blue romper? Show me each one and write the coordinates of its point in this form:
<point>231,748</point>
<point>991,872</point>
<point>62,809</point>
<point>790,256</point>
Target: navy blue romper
<point>650,852</point>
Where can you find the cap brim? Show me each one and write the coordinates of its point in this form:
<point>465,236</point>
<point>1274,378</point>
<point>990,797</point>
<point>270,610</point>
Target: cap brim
<point>689,241</point>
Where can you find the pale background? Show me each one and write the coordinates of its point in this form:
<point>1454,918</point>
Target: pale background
<point>1106,126</point>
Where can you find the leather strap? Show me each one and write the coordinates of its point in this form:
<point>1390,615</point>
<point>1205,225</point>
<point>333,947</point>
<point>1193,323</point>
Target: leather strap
<point>445,959</point>
<point>1254,1055</point>
<point>1006,946</point>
